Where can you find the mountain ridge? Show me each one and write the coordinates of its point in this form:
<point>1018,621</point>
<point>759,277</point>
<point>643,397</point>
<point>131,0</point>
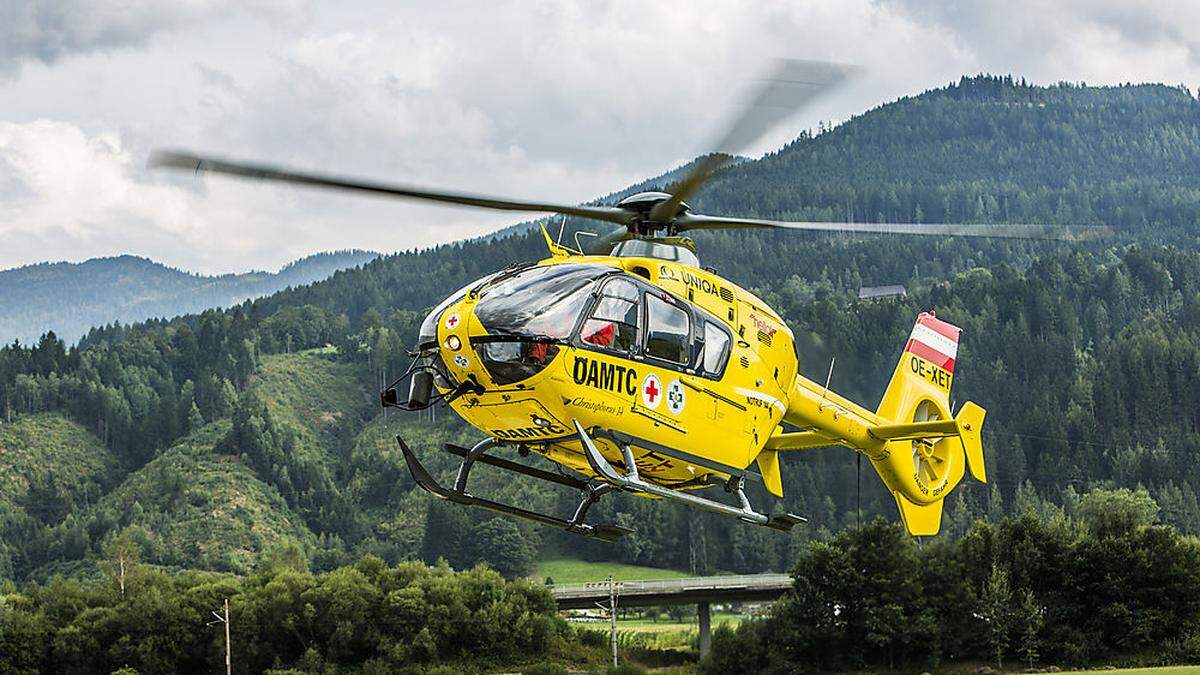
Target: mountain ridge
<point>69,298</point>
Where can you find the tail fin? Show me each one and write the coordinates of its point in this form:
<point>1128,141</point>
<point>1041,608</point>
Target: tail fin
<point>926,447</point>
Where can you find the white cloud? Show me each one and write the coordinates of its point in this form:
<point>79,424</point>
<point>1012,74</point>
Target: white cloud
<point>69,194</point>
<point>48,31</point>
<point>538,99</point>
<point>1098,41</point>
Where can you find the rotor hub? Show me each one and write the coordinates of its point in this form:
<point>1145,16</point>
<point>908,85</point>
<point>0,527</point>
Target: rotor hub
<point>641,205</point>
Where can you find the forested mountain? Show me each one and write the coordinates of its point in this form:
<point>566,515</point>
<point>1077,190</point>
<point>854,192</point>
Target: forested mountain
<point>69,298</point>
<point>1086,356</point>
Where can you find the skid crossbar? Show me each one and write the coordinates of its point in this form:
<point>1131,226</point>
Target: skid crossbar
<point>589,492</point>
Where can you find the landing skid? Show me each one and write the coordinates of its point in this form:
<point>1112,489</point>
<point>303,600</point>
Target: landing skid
<point>632,482</point>
<point>589,492</point>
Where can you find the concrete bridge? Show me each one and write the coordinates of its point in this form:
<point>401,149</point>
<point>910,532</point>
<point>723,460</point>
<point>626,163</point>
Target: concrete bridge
<point>701,591</point>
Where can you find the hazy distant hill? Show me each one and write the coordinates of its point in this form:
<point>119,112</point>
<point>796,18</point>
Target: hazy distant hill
<point>70,298</point>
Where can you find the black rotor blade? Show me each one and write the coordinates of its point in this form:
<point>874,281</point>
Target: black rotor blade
<point>197,163</point>
<point>690,221</point>
<point>791,86</point>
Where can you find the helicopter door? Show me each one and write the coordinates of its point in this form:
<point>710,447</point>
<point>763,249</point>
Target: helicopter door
<point>668,331</point>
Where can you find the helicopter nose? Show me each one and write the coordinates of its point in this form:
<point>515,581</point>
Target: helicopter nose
<point>454,342</point>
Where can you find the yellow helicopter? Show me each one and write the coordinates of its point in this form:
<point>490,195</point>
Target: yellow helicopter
<point>632,368</point>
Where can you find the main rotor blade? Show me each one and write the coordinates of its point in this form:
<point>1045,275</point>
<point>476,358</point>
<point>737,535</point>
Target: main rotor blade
<point>689,221</point>
<point>197,163</point>
<point>791,86</point>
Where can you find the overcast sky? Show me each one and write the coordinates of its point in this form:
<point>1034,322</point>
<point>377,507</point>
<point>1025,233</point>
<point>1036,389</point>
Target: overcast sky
<point>553,100</point>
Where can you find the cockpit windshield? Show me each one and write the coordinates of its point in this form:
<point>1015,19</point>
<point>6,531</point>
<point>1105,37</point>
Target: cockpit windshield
<point>543,301</point>
<point>429,325</point>
<point>640,248</point>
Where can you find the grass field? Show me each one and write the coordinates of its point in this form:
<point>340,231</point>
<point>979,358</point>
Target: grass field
<point>666,624</point>
<point>666,634</point>
<point>569,571</point>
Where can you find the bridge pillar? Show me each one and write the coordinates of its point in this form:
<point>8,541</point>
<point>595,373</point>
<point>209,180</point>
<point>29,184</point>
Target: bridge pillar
<point>704,612</point>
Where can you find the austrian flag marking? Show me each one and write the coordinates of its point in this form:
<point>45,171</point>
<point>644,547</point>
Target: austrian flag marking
<point>935,341</point>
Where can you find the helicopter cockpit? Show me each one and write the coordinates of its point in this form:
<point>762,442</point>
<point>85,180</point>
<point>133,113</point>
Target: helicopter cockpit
<point>528,312</point>
<point>531,313</point>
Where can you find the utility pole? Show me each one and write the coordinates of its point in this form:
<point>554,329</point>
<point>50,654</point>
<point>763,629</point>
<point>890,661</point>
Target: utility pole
<point>612,617</point>
<point>858,488</point>
<point>228,648</point>
<point>612,603</point>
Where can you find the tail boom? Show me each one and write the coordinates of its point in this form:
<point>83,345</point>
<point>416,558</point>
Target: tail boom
<point>919,450</point>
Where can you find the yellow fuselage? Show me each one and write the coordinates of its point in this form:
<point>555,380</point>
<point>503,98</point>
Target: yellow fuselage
<point>711,425</point>
<point>695,424</point>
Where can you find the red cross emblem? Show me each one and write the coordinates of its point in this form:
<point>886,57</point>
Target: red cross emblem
<point>452,321</point>
<point>651,391</point>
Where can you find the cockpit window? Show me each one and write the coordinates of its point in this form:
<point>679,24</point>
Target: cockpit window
<point>613,324</point>
<point>543,301</point>
<point>639,248</point>
<point>716,348</point>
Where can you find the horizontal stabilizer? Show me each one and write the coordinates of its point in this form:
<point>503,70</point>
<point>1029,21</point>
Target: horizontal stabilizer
<point>913,431</point>
<point>967,426</point>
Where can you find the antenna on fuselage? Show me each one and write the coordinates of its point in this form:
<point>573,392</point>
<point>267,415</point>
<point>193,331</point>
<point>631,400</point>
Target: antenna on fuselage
<point>828,378</point>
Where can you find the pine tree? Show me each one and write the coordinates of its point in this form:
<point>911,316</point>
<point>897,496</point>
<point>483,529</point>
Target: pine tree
<point>194,420</point>
<point>1032,619</point>
<point>995,503</point>
<point>996,613</point>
